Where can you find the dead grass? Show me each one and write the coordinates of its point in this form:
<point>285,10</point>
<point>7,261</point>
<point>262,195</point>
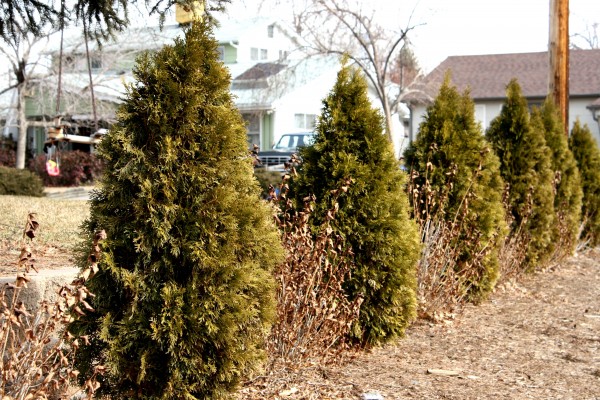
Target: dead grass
<point>59,220</point>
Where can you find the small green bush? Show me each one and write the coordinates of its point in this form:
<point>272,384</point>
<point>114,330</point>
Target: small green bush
<point>456,182</point>
<point>586,153</point>
<point>76,168</point>
<point>20,182</point>
<point>525,166</point>
<point>373,216</point>
<point>567,181</point>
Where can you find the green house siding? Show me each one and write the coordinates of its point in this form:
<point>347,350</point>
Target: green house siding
<point>44,103</point>
<point>39,137</point>
<point>267,135</point>
<point>229,53</point>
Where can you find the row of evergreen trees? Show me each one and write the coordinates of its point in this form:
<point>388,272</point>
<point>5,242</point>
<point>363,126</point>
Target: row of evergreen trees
<point>184,295</point>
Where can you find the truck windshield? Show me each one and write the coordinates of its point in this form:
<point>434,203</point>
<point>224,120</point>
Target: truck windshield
<point>291,141</point>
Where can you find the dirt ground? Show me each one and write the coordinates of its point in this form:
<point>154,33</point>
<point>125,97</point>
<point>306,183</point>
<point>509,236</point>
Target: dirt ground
<point>538,338</point>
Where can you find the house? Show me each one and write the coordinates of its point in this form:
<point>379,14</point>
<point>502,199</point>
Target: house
<point>276,87</point>
<point>486,76</point>
<point>245,46</point>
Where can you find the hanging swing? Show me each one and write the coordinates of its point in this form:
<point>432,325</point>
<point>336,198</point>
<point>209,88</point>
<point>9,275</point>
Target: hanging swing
<point>52,159</point>
<point>57,132</point>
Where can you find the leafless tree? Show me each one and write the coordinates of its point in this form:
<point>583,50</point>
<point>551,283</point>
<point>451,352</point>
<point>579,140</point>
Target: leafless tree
<point>101,18</point>
<point>589,39</point>
<point>110,64</point>
<point>25,64</point>
<point>353,28</point>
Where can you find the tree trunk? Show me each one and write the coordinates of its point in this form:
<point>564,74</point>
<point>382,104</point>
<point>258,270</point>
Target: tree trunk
<point>388,121</point>
<point>22,138</point>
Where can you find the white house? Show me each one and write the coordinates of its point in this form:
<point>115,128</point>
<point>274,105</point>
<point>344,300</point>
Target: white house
<point>487,76</point>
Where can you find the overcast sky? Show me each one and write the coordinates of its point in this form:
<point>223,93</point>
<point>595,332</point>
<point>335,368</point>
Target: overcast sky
<point>465,27</point>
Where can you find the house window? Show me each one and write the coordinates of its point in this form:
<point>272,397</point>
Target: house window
<point>305,121</point>
<point>69,63</point>
<point>283,55</point>
<point>253,126</point>
<point>270,30</point>
<point>263,54</point>
<point>221,50</point>
<point>254,54</point>
<point>96,62</point>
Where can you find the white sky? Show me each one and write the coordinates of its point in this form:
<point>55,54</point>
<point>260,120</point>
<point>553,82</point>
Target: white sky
<point>465,27</point>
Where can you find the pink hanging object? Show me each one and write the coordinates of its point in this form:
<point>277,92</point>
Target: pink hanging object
<point>52,168</point>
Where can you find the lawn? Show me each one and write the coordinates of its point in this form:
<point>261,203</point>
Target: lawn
<point>58,232</point>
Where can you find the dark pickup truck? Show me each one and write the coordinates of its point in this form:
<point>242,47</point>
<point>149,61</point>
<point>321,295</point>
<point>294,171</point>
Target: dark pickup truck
<point>287,145</point>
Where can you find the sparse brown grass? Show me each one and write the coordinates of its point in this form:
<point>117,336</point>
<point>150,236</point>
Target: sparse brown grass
<point>59,219</point>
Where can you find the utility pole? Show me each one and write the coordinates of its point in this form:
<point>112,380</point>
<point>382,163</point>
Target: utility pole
<point>558,50</point>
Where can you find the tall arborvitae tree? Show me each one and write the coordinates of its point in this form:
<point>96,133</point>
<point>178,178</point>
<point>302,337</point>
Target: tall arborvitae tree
<point>587,155</point>
<point>184,294</point>
<point>373,213</point>
<point>458,177</point>
<point>567,182</point>
<point>525,166</point>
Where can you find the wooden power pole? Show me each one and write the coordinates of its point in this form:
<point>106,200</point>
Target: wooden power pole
<point>558,50</point>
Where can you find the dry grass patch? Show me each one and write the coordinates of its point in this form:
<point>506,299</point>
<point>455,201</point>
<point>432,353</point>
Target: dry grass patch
<point>59,220</point>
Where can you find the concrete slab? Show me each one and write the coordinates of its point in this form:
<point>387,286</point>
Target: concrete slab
<point>43,285</point>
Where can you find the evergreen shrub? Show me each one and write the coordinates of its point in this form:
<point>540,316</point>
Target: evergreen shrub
<point>567,181</point>
<point>525,166</point>
<point>20,182</point>
<point>76,168</point>
<point>184,292</point>
<point>373,216</point>
<point>456,193</point>
<point>587,155</point>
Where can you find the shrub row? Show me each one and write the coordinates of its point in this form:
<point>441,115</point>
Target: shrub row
<point>185,290</point>
<point>466,185</point>
<point>76,168</point>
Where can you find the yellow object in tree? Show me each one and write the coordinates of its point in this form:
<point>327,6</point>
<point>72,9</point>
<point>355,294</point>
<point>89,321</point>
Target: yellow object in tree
<point>187,14</point>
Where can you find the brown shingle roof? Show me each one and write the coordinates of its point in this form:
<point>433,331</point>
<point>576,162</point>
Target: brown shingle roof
<point>261,71</point>
<point>488,75</point>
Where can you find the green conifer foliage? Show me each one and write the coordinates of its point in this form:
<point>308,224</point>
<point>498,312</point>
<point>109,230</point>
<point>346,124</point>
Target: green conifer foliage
<point>452,158</point>
<point>567,181</point>
<point>586,153</point>
<point>184,294</point>
<point>525,166</point>
<point>373,214</point>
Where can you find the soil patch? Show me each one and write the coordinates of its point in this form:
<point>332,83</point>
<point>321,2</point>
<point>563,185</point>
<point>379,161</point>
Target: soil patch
<point>538,338</point>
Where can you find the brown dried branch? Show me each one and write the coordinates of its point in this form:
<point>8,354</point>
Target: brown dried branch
<point>37,359</point>
<point>314,315</point>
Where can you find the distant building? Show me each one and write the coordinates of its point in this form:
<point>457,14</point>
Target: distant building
<point>276,87</point>
<point>488,75</point>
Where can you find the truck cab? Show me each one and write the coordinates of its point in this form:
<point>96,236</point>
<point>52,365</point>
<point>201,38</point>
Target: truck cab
<point>288,144</point>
